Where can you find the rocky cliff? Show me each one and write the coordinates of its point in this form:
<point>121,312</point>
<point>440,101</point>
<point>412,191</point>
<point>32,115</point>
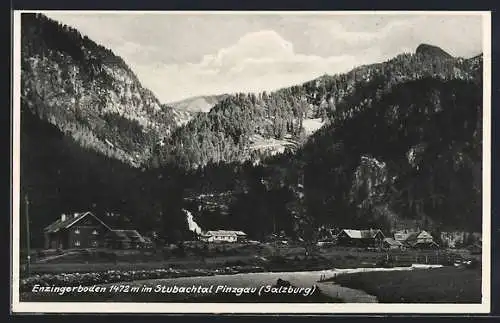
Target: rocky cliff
<point>89,93</point>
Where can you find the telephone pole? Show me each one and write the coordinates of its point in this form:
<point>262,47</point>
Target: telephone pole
<point>28,257</point>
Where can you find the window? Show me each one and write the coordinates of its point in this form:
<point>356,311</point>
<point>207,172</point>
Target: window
<point>77,231</point>
<point>77,243</point>
<point>93,243</point>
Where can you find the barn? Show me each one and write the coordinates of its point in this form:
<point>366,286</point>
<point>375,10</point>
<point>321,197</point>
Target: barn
<point>360,238</point>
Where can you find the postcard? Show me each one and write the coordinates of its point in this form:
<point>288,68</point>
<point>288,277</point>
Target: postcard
<point>251,162</point>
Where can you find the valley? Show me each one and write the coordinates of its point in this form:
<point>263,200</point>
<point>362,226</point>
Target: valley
<point>372,148</point>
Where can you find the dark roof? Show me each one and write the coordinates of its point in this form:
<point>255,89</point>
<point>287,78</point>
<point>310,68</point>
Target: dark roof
<point>128,235</point>
<point>71,219</point>
<point>392,242</point>
<point>425,243</point>
<point>414,235</point>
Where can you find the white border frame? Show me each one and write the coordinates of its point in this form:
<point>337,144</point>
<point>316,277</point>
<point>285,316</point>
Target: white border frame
<point>272,308</point>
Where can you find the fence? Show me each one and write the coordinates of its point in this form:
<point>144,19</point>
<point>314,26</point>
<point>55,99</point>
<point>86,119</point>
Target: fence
<point>428,258</point>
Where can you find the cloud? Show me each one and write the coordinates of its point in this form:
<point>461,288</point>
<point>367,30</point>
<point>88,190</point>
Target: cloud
<point>459,35</point>
<point>177,56</point>
<point>264,45</point>
<point>339,33</point>
<point>258,61</point>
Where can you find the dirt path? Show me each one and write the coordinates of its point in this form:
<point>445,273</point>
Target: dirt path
<point>298,279</point>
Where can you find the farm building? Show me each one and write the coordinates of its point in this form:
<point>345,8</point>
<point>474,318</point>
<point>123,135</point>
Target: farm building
<point>85,230</point>
<point>360,238</point>
<point>421,240</point>
<point>77,230</point>
<point>223,236</point>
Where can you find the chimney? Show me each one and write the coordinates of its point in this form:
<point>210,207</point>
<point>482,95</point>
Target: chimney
<point>63,217</point>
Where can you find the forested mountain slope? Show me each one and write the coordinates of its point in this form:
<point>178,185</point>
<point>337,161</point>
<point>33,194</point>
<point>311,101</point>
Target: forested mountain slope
<point>253,126</point>
<point>88,92</point>
<point>381,144</point>
<point>414,153</point>
<point>58,176</point>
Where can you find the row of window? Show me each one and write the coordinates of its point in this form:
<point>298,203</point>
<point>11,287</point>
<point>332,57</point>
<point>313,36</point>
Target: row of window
<point>77,231</point>
<point>224,238</point>
<point>92,243</point>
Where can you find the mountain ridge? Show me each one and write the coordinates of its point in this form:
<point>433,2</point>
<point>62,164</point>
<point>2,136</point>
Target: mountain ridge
<point>392,140</point>
<point>432,50</point>
<point>89,92</point>
<point>199,103</point>
<point>280,115</point>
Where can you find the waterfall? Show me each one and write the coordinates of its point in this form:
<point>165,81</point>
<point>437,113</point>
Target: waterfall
<point>193,226</point>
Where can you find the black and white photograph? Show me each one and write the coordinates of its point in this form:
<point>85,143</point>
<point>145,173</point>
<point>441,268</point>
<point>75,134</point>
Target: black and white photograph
<point>251,162</point>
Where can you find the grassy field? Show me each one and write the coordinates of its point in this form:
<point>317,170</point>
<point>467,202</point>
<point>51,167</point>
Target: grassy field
<point>181,263</point>
<point>267,256</point>
<point>440,285</point>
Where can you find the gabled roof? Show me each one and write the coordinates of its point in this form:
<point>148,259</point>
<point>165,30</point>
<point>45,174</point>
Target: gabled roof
<point>355,234</point>
<point>393,242</point>
<point>361,234</point>
<point>128,235</point>
<point>425,243</point>
<point>412,236</point>
<point>415,235</point>
<point>70,220</point>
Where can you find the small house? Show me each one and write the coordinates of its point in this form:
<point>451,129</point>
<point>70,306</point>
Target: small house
<point>360,238</point>
<point>223,236</point>
<point>76,230</point>
<point>421,240</point>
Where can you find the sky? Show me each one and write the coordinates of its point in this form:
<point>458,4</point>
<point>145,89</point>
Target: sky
<point>178,56</point>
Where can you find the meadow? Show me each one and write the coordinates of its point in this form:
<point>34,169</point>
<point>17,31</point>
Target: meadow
<point>438,285</point>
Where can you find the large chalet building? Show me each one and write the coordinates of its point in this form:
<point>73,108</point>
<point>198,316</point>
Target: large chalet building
<point>223,236</point>
<point>360,238</point>
<point>419,239</point>
<point>85,230</point>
